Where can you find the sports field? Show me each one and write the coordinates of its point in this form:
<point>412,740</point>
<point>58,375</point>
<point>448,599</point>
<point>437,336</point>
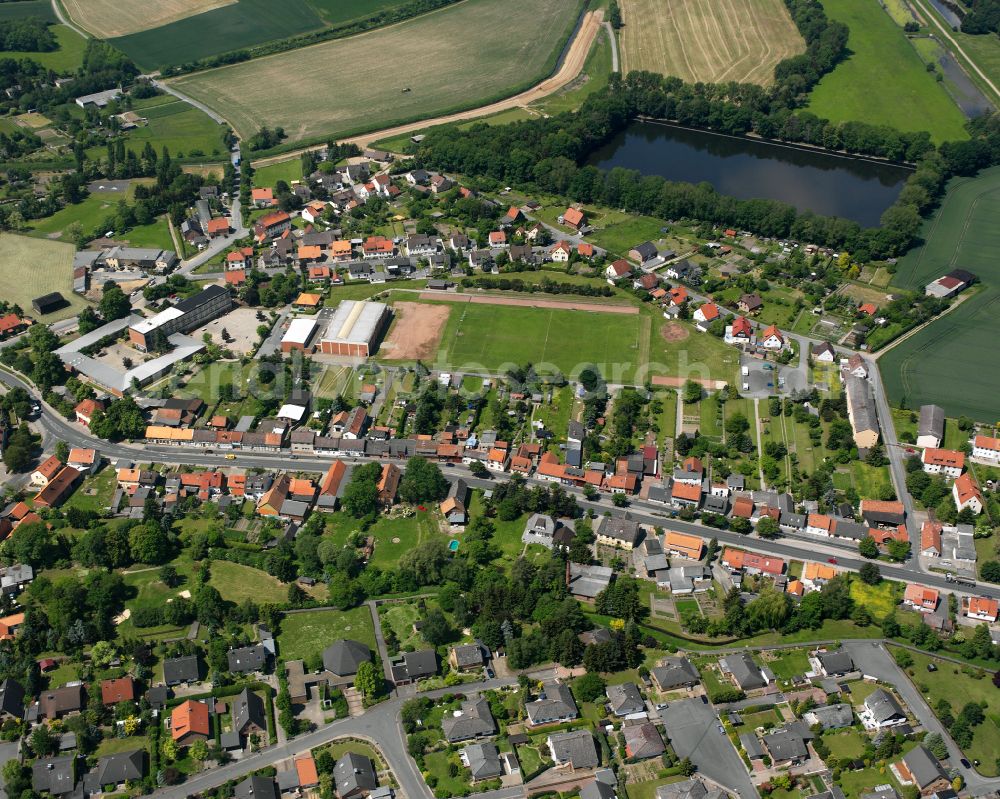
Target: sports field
<point>31,267</point>
<point>494,337</point>
<point>450,59</point>
<point>720,41</point>
<point>109,18</point>
<point>862,89</point>
<point>953,362</point>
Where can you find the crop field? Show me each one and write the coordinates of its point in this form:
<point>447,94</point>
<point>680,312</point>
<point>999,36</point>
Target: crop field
<point>490,337</point>
<point>429,65</point>
<point>28,8</point>
<point>950,362</point>
<point>861,89</point>
<point>110,18</point>
<point>219,30</point>
<point>32,267</point>
<point>740,40</point>
<point>335,12</point>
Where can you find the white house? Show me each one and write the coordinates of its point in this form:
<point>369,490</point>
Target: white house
<point>948,462</point>
<point>618,269</point>
<point>560,252</point>
<point>705,315</point>
<point>966,494</point>
<point>986,448</point>
<point>771,339</point>
<point>824,353</point>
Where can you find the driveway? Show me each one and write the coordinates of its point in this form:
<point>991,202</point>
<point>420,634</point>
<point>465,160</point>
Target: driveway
<point>693,727</point>
<point>8,751</point>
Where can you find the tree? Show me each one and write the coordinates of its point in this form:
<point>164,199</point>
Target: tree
<point>436,629</point>
<point>199,751</point>
<point>43,742</point>
<point>589,687</point>
<point>148,543</point>
<point>768,527</point>
<point>898,550</point>
<point>114,304</point>
<point>62,451</point>
<point>868,548</point>
<point>870,573</point>
<point>691,392</point>
<point>991,571</point>
<point>102,653</point>
<point>422,482</point>
<point>619,500</point>
<point>361,495</point>
<point>935,743</point>
<point>367,680</point>
<point>122,419</point>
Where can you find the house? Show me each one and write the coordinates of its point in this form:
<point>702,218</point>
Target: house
<point>682,545</point>
<point>750,303</point>
<point>641,253</point>
<point>861,412</point>
<point>618,532</point>
<point>986,448</point>
<point>883,513</point>
<point>586,582</point>
<point>58,489</point>
<point>256,788</point>
<point>647,281</point>
<point>46,471</point>
<point>343,657</point>
<point>388,484</point>
<point>498,238</point>
<point>472,720</point>
<point>120,768</point>
<point>482,760</point>
<point>413,666</point>
<point>919,767</point>
<point>820,524</point>
<point>56,775</point>
<point>189,722</point>
<point>835,663</point>
<point>930,538</point>
<point>248,714</point>
<point>921,598</point>
<point>58,702</point>
<point>625,699</point>
<point>705,315</point>
<point>618,269</point>
<point>180,670</point>
<point>271,226</point>
<point>305,771</point>
<point>947,462</point>
<point>982,609</point>
<point>830,717</point>
<point>930,428</point>
<point>572,217</point>
<point>868,309</point>
<point>771,339</point>
<point>786,746</point>
<point>740,332</point>
<point>824,353</point>
<point>642,741</point>
<point>86,409</point>
<point>354,775</point>
<point>539,529</point>
<point>555,704</point>
<point>816,575</point>
<point>966,494</point>
<point>247,659</point>
<point>881,710</point>
<point>466,657</point>
<point>693,788</point>
<point>743,671</point>
<point>575,749</point>
<point>738,560</point>
<point>683,494</point>
<point>11,324</point>
<point>118,690</point>
<point>673,673</point>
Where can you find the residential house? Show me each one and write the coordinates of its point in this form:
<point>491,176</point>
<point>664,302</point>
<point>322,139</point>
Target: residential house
<point>55,775</point>
<point>930,538</point>
<point>830,717</point>
<point>743,671</point>
<point>642,741</point>
<point>920,768</point>
<point>618,532</point>
<point>787,745</point>
<point>947,462</point>
<point>682,545</point>
<point>738,560</point>
<point>705,315</point>
<point>982,608</point>
<point>986,449</point>
<point>86,409</point>
<point>861,412</point>
<point>248,714</point>
<point>11,700</point>
<point>354,775</point>
<point>180,670</point>
<point>247,659</point>
<point>46,471</point>
<point>466,657</point>
<point>966,494</point>
<point>750,303</point>
<point>121,689</point>
<point>56,703</point>
<point>575,749</point>
<point>189,722</point>
<point>388,484</point>
<point>880,710</point>
<point>554,704</point>
<point>882,513</point>
<point>573,218</point>
<point>772,339</point>
<point>740,332</point>
<point>482,760</point>
<point>625,700</point>
<point>641,253</point>
<point>824,353</point>
<point>472,720</point>
<point>930,428</point>
<point>835,663</point>
<point>921,598</point>
<point>816,575</point>
<point>120,768</point>
<point>618,269</point>
<point>343,657</point>
<point>413,666</point>
<point>674,673</point>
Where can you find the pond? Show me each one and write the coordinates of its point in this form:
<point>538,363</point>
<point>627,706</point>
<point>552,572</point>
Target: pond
<point>810,180</point>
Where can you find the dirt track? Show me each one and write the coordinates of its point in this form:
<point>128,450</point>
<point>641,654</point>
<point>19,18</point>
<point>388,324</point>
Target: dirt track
<point>628,310</point>
<point>678,382</point>
<point>417,331</point>
<point>570,68</point>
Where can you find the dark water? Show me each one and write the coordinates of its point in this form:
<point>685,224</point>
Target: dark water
<point>745,168</point>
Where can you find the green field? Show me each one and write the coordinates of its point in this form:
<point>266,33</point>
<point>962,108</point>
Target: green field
<point>28,8</point>
<point>906,97</point>
<point>947,363</point>
<point>283,170</point>
<point>66,58</point>
<point>237,583</point>
<point>335,12</point>
<point>242,24</point>
<point>32,267</point>
<point>295,90</point>
<point>309,633</point>
<point>181,128</point>
<point>493,337</point>
<point>596,71</point>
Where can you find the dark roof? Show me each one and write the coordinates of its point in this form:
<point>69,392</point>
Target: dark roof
<point>416,665</point>
<point>837,662</point>
<point>924,767</point>
<point>674,673</point>
<point>54,775</point>
<point>471,721</point>
<point>122,766</point>
<point>157,696</point>
<point>256,788</point>
<point>558,703</point>
<point>745,671</point>
<point>484,760</point>
<point>181,669</point>
<point>576,747</point>
<point>344,656</point>
<point>625,699</point>
<point>61,700</point>
<point>207,294</point>
<point>354,773</point>
<point>12,698</point>
<point>247,659</point>
<point>248,708</point>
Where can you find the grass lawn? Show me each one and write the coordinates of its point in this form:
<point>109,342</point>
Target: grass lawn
<point>908,97</point>
<point>710,423</point>
<point>667,420</point>
<point>685,606</point>
<point>647,789</point>
<point>556,414</point>
<point>237,583</point>
<point>287,171</point>
<point>306,634</point>
<point>945,363</point>
<point>23,277</point>
<point>393,537</point>
<point>96,493</point>
<point>860,691</point>
<point>845,743</point>
<point>91,214</point>
<point>437,763</point>
<point>178,126</point>
<point>67,57</point>
<point>112,746</point>
<point>870,481</point>
<point>155,235</point>
<point>754,720</point>
<point>620,236</point>
<point>789,663</point>
<point>880,599</point>
<point>961,685</point>
<point>530,759</point>
<point>296,85</point>
<point>400,617</point>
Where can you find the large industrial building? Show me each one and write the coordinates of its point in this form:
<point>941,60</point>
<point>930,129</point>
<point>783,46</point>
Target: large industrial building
<point>355,329</point>
<point>199,309</point>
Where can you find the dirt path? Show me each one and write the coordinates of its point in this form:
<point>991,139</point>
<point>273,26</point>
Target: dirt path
<point>571,67</point>
<point>629,310</point>
<point>678,382</point>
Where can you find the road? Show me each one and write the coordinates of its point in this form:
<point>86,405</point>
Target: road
<point>63,19</point>
<point>614,47</point>
<point>166,87</point>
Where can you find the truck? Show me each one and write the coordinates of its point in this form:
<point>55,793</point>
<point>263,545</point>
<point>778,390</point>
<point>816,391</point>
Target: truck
<point>745,371</point>
<point>959,579</point>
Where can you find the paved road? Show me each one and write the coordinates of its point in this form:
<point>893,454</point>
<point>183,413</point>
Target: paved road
<point>693,728</point>
<point>874,660</point>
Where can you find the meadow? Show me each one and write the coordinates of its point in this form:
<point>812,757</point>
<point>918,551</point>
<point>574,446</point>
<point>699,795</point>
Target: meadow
<point>220,30</point>
<point>181,128</point>
<point>490,337</point>
<point>404,72</point>
<point>67,57</point>
<point>948,362</point>
<point>306,634</point>
<point>727,40</point>
<point>861,89</point>
<point>32,267</point>
<point>110,18</point>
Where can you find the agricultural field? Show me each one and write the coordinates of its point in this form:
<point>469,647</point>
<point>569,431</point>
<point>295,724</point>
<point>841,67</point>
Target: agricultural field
<point>488,337</point>
<point>226,26</point>
<point>110,18</point>
<point>860,89</point>
<point>946,363</point>
<point>728,40</point>
<point>404,72</point>
<point>32,267</point>
<point>28,8</point>
<point>67,57</point>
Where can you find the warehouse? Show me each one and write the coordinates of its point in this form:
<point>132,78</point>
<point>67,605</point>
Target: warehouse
<point>355,329</point>
<point>208,304</point>
<point>298,335</point>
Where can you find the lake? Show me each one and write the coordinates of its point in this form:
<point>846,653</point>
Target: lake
<point>747,168</point>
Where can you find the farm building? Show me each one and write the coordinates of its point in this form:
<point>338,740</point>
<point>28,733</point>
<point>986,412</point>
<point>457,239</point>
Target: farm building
<point>48,303</point>
<point>861,412</point>
<point>355,329</point>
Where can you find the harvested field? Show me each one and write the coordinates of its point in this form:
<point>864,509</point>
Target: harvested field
<point>108,18</point>
<point>719,41</point>
<point>400,73</point>
<point>678,382</point>
<point>513,301</point>
<point>674,332</point>
<point>416,331</point>
<point>32,267</point>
